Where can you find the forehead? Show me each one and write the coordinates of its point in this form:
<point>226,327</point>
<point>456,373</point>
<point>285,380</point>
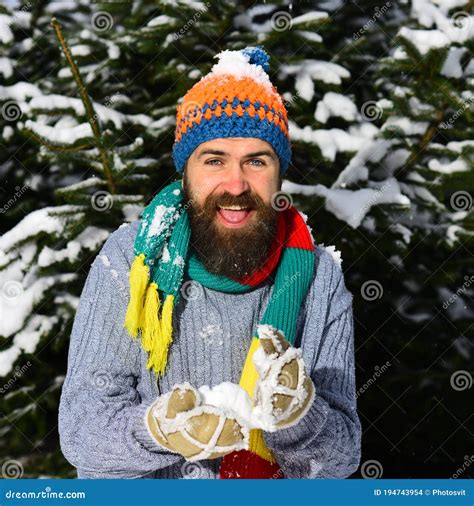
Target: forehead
<point>235,145</point>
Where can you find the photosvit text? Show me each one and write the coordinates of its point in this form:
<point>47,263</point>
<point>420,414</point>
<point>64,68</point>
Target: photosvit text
<point>418,491</point>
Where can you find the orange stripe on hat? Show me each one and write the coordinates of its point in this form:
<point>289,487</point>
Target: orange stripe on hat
<point>219,88</point>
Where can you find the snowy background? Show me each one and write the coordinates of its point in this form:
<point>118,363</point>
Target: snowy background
<point>380,99</point>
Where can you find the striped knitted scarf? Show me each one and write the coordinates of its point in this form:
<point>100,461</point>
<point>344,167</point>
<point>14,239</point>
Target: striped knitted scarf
<point>161,260</point>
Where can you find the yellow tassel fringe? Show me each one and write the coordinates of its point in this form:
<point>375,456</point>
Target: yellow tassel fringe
<point>151,326</point>
<point>248,381</point>
<point>159,353</point>
<point>139,275</point>
<point>142,314</point>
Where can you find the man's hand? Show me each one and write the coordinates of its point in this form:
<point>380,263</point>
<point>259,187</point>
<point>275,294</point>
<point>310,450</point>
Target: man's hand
<point>284,392</point>
<point>179,422</point>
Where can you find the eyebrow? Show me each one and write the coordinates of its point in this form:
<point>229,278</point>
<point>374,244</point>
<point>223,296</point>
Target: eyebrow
<point>223,153</point>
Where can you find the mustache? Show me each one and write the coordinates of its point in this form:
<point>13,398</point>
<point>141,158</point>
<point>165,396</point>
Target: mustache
<point>246,199</point>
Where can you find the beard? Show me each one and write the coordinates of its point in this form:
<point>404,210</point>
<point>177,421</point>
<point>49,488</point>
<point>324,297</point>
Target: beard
<point>227,251</point>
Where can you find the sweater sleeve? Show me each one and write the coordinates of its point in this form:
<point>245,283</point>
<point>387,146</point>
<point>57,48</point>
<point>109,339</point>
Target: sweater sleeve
<point>103,400</point>
<point>325,443</point>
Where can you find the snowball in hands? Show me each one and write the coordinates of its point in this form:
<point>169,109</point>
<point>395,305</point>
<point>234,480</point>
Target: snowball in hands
<point>179,422</point>
<point>212,421</point>
<point>283,393</point>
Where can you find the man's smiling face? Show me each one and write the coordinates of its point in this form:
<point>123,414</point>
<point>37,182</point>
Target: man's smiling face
<point>229,184</point>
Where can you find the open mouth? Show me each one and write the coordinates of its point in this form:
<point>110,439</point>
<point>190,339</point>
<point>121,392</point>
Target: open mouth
<point>234,215</point>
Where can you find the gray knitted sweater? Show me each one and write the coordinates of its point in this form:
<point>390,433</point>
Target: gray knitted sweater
<point>108,387</point>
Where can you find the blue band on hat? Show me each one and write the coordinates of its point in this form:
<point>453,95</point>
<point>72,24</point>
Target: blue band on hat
<point>232,126</point>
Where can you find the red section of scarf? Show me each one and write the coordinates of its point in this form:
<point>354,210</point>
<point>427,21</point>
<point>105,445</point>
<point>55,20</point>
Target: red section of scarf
<point>298,233</point>
<point>245,464</point>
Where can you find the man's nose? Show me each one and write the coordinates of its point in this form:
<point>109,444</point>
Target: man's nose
<point>235,182</point>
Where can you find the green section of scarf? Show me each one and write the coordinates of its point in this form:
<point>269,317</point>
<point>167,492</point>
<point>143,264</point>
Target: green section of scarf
<point>163,256</point>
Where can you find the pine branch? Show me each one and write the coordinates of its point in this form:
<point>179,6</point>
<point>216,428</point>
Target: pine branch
<point>425,141</point>
<point>90,113</point>
<point>52,147</point>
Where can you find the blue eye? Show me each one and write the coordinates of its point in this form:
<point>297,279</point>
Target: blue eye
<point>259,164</point>
<point>213,160</point>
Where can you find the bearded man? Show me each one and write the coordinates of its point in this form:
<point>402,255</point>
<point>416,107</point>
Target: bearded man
<point>214,338</point>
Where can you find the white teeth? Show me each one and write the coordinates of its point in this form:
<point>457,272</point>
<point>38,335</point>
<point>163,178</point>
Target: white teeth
<point>232,208</point>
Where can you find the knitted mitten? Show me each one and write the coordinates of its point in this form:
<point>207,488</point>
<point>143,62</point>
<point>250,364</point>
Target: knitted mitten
<point>178,421</point>
<point>284,392</point>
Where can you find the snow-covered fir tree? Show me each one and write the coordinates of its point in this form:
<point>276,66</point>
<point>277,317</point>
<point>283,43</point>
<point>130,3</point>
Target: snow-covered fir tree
<point>411,260</point>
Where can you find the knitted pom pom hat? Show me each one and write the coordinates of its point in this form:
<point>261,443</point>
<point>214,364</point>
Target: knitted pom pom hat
<point>236,99</point>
